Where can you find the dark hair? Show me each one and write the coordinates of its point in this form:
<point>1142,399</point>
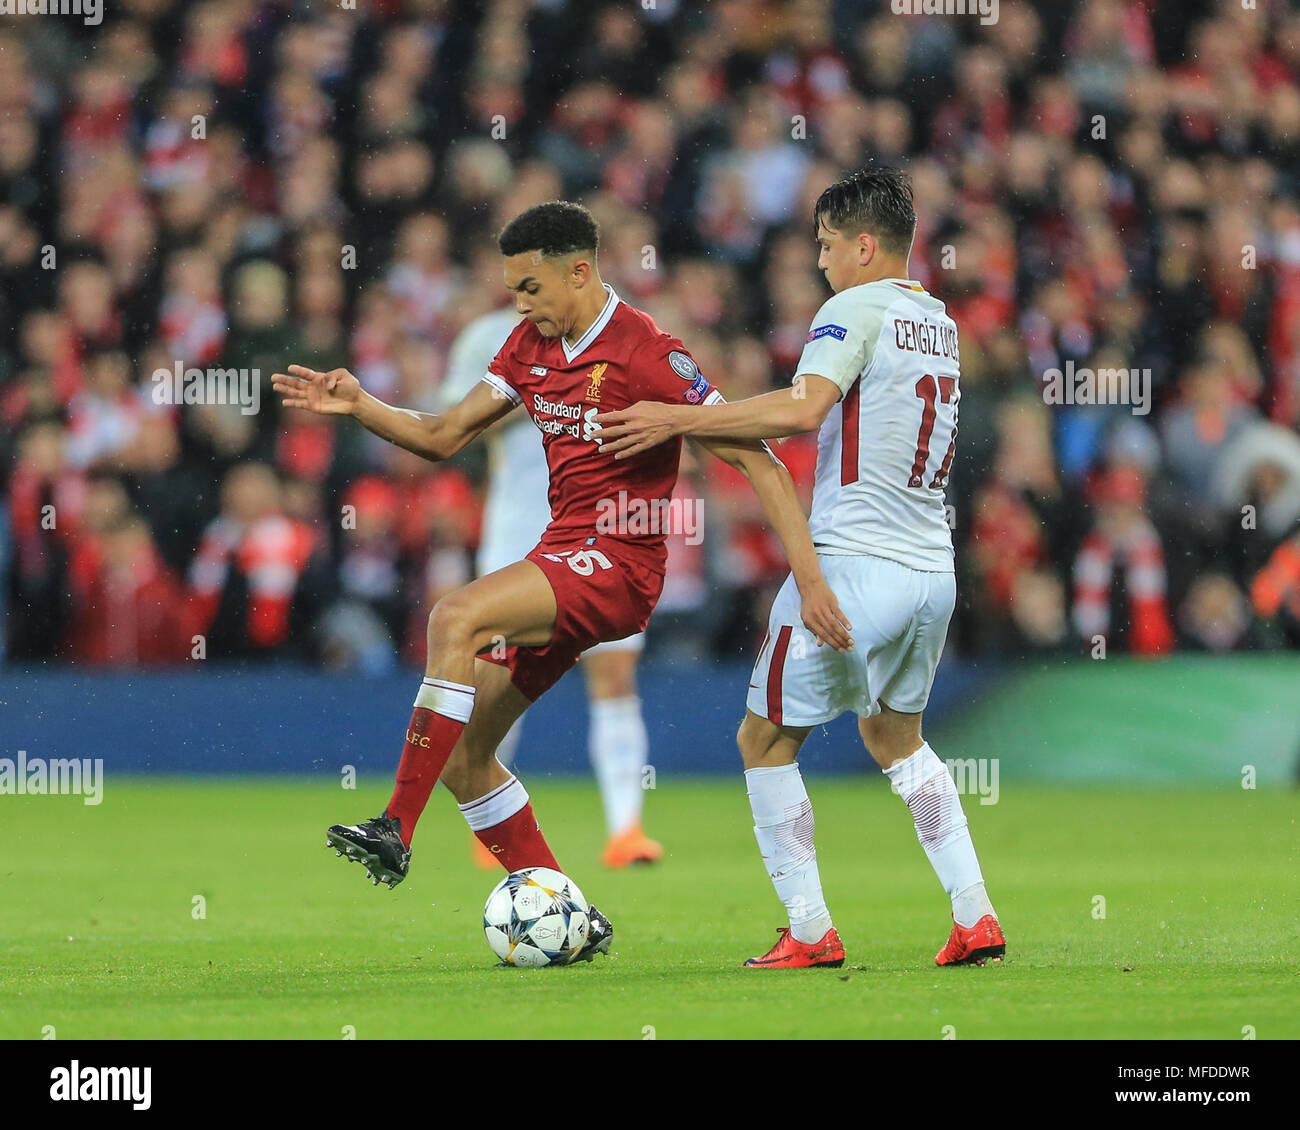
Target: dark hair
<point>554,228</point>
<point>876,200</point>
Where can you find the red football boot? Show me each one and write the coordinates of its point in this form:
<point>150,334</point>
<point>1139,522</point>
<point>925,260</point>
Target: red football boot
<point>972,945</point>
<point>791,954</point>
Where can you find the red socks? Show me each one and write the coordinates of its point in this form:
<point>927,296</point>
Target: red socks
<point>503,820</point>
<point>518,842</point>
<point>441,711</point>
<point>504,823</point>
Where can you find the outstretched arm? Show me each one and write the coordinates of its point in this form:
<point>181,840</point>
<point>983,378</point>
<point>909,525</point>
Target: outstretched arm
<point>800,408</point>
<point>775,488</point>
<point>339,393</point>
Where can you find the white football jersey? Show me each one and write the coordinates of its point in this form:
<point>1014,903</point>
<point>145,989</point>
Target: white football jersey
<point>517,508</point>
<point>884,453</point>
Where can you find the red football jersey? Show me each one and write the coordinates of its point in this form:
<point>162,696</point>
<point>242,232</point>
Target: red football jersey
<point>624,357</point>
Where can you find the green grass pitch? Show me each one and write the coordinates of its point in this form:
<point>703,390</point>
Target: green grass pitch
<point>100,935</point>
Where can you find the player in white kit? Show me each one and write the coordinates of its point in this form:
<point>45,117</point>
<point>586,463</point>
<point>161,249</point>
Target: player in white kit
<point>516,513</point>
<point>879,379</point>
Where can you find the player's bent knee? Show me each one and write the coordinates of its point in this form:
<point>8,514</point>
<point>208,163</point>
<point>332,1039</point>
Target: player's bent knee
<point>890,737</point>
<point>743,744</point>
<point>755,739</point>
<point>870,731</point>
<point>746,740</point>
<point>746,734</point>
<point>451,622</point>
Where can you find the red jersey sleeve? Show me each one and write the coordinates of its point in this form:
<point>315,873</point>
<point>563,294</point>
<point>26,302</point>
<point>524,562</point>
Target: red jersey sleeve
<point>668,373</point>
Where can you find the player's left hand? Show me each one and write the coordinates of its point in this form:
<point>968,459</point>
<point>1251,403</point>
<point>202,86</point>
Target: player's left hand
<point>631,430</point>
<point>821,615</point>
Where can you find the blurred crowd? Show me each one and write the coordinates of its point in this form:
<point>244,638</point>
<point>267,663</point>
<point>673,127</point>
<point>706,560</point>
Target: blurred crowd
<point>251,183</point>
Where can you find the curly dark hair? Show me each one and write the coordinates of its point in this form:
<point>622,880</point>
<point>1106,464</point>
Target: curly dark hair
<point>876,200</point>
<point>557,227</point>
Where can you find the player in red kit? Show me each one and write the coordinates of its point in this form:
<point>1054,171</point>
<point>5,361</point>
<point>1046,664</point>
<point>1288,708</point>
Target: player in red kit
<point>504,639</point>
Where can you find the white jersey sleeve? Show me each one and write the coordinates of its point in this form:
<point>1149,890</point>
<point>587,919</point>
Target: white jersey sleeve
<point>842,340</point>
<point>472,352</point>
<point>884,452</point>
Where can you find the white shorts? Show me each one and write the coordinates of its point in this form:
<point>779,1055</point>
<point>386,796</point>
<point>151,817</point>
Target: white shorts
<point>628,643</point>
<point>496,552</point>
<point>900,622</point>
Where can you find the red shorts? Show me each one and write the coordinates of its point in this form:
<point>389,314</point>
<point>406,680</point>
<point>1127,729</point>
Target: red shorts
<point>604,590</point>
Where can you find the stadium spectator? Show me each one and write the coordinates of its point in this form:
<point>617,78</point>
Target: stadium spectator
<point>1120,591</point>
<point>46,498</point>
<point>253,579</point>
<point>221,186</point>
<point>130,611</point>
<point>1275,591</point>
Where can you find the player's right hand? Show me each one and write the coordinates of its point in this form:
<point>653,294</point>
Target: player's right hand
<point>331,394</point>
<point>821,615</point>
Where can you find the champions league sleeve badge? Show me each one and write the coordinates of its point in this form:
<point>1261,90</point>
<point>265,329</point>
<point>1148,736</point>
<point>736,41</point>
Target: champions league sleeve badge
<point>683,366</point>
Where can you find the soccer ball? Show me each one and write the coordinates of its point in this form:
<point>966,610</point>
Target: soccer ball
<point>536,917</point>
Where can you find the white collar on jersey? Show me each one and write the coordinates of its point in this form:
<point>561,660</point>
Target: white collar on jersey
<point>908,284</point>
<point>593,331</point>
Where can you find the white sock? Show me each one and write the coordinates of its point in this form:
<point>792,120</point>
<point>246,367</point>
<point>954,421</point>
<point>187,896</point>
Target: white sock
<point>451,700</point>
<point>510,743</point>
<point>970,905</point>
<point>784,827</point>
<point>924,783</point>
<point>619,745</point>
<point>493,807</point>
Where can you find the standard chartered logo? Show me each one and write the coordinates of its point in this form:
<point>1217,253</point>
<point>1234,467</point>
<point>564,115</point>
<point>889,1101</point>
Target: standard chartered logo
<point>552,416</point>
